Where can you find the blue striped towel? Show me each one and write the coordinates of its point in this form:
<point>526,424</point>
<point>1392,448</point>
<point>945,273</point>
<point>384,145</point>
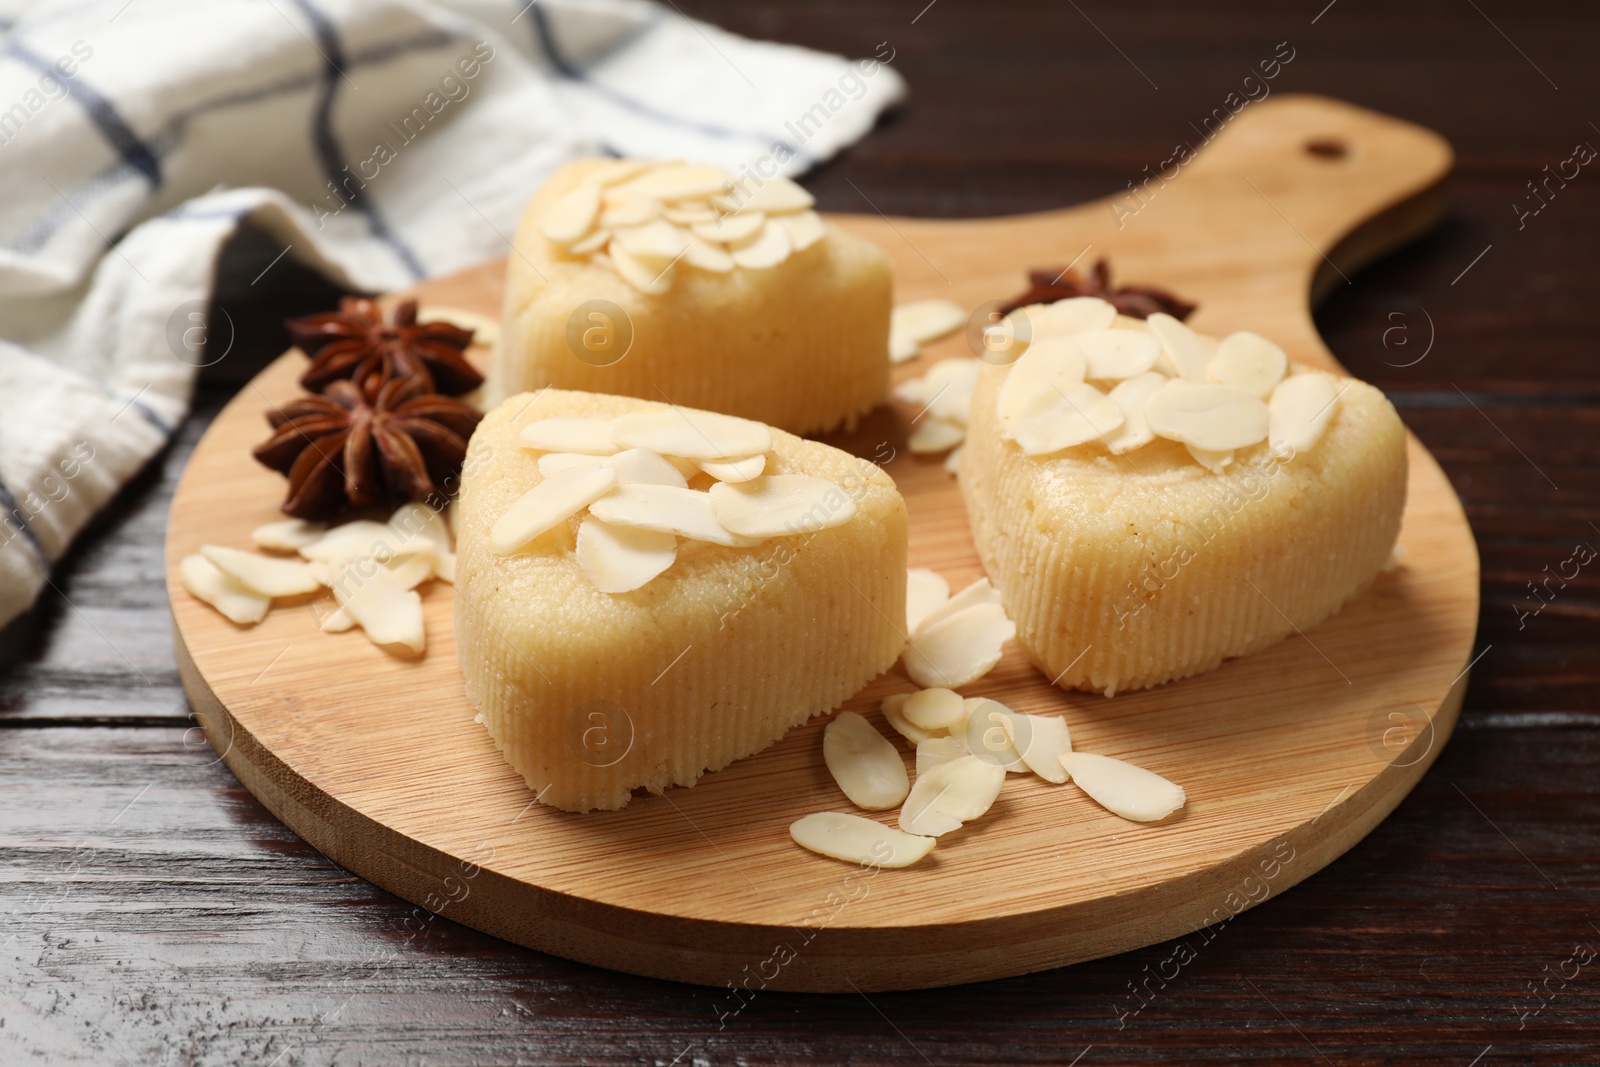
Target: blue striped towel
<point>380,140</point>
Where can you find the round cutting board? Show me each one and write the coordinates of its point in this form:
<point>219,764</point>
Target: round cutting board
<point>1289,757</point>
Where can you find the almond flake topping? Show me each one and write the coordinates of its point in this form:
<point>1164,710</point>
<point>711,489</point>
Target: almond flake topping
<point>1300,410</point>
<point>620,559</point>
<point>1250,362</point>
<point>1209,416</point>
<point>780,505</point>
<point>691,434</point>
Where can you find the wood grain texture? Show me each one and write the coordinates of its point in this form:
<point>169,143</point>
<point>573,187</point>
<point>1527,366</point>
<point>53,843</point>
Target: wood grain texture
<point>358,751</point>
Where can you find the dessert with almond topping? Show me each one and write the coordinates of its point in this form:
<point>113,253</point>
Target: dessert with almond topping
<point>681,283</point>
<point>1151,501</point>
<point>646,592</point>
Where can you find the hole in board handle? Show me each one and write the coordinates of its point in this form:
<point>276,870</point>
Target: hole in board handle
<point>1327,148</point>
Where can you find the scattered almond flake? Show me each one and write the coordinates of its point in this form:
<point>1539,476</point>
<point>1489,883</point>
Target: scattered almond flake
<point>1184,353</point>
<point>804,229</point>
<point>856,839</point>
<point>1123,789</point>
<point>917,322</point>
<point>390,614</point>
<point>985,735</point>
<point>775,196</point>
<point>589,436</point>
<point>553,463</point>
<point>978,591</point>
<point>572,216</point>
<point>667,509</point>
<point>1250,362</point>
<point>735,470</point>
<point>693,434</point>
<point>939,750</point>
<point>948,386</point>
<point>894,714</point>
<point>642,276</point>
<point>901,348</point>
<point>767,249</point>
<point>960,648</point>
<point>1130,396</point>
<point>780,505</point>
<point>1063,318</point>
<point>641,466</point>
<point>1041,740</point>
<point>726,229</point>
<point>949,795</point>
<point>444,567</point>
<point>689,216</point>
<point>320,571</point>
<point>227,594</point>
<point>355,538</point>
<point>1212,460</point>
<point>1048,369</point>
<point>952,462</point>
<point>1301,407</point>
<point>935,709</point>
<point>420,520</point>
<point>867,768</point>
<point>677,181</point>
<point>926,592</point>
<point>266,576</point>
<point>591,244</point>
<point>1397,556</point>
<point>337,621</point>
<point>1076,416</point>
<point>704,255</point>
<point>620,559</point>
<point>1117,354</point>
<point>1206,415</point>
<point>552,501</point>
<point>615,171</point>
<point>287,535</point>
<point>933,434</point>
<point>619,209</point>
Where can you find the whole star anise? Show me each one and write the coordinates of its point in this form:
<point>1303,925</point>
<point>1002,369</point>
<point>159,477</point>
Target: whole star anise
<point>1049,284</point>
<point>356,342</point>
<point>383,442</point>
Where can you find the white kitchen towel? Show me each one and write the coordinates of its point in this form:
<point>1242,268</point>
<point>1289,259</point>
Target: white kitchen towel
<point>379,140</point>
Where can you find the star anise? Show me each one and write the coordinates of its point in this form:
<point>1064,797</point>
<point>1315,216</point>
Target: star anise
<point>1049,284</point>
<point>384,442</point>
<point>356,342</point>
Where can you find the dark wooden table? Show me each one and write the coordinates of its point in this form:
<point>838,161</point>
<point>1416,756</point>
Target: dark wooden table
<point>156,914</point>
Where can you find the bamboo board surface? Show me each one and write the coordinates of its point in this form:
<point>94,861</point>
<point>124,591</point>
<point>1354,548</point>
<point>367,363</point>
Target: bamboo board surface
<point>1289,757</point>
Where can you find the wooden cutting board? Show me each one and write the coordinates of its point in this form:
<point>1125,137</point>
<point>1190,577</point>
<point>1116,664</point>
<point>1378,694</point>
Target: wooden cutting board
<point>1289,756</point>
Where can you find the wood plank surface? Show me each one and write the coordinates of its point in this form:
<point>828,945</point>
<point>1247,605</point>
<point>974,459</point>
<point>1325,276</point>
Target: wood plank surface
<point>1415,948</point>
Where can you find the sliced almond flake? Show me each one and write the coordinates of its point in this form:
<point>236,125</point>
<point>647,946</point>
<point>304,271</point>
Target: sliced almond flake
<point>735,470</point>
<point>337,621</point>
<point>590,436</point>
<point>775,196</point>
<point>552,501</point>
<point>667,509</point>
<point>927,320</point>
<point>867,767</point>
<point>933,434</point>
<point>1048,368</point>
<point>767,249</point>
<point>804,229</point>
<point>948,386</point>
<point>781,505</point>
<point>553,463</point>
<point>390,614</point>
<point>949,795</point>
<point>1206,415</point>
<point>926,592</point>
<point>1128,322</point>
<point>1130,397</point>
<point>952,462</point>
<point>615,171</point>
<point>656,245</point>
<point>572,216</point>
<point>591,244</point>
<point>444,567</point>
<point>288,535</point>
<point>1250,362</point>
<point>1301,407</point>
<point>678,181</point>
<point>703,255</point>
<point>692,434</point>
<point>935,709</point>
<point>901,348</point>
<point>640,466</point>
<point>266,576</point>
<point>960,648</point>
<point>620,559</point>
<point>1078,415</point>
<point>939,750</point>
<point>688,215</point>
<point>227,594</point>
<point>1184,353</point>
<point>726,229</point>
<point>1041,740</point>
<point>910,392</point>
<point>620,210</point>
<point>978,591</point>
<point>320,571</point>
<point>418,520</point>
<point>855,839</point>
<point>403,572</point>
<point>644,277</point>
<point>1118,354</point>
<point>1064,317</point>
<point>985,735</point>
<point>1123,789</point>
<point>894,714</point>
<point>357,538</point>
<point>1211,459</point>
